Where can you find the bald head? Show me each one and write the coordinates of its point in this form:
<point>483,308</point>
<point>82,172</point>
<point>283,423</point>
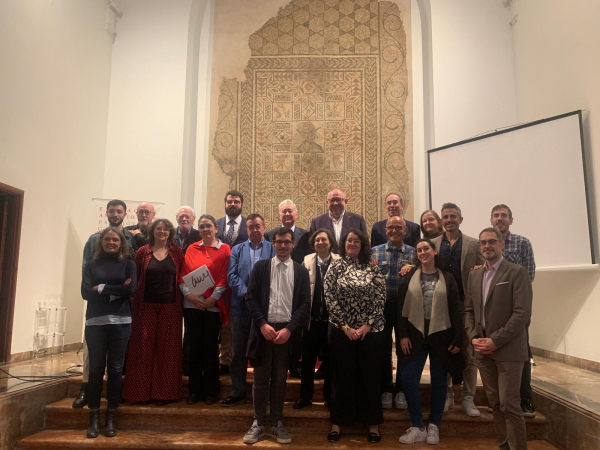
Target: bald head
<point>395,229</point>
<point>336,202</point>
<point>145,214</point>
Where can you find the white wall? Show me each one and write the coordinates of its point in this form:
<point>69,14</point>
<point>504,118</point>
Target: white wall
<point>557,62</point>
<point>54,86</point>
<point>147,102</point>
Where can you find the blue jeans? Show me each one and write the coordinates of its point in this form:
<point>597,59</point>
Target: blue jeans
<point>411,376</point>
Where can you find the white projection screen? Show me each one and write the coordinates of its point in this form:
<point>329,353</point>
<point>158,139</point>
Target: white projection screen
<point>537,170</point>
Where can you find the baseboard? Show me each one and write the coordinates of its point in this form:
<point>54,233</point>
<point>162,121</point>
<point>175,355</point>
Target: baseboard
<point>24,356</point>
<point>570,360</point>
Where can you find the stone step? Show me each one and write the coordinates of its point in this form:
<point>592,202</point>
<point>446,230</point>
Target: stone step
<point>238,418</point>
<point>219,439</point>
<point>293,390</point>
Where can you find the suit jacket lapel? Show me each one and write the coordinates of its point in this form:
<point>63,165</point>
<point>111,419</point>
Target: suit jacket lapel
<point>464,251</point>
<point>477,295</point>
<point>503,267</point>
<point>345,224</point>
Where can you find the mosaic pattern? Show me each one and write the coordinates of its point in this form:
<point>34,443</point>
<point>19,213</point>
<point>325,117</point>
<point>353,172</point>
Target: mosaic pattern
<point>330,116</point>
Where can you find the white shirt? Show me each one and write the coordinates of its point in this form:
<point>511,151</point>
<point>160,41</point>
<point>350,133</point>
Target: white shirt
<point>337,226</point>
<point>281,293</point>
<point>236,227</point>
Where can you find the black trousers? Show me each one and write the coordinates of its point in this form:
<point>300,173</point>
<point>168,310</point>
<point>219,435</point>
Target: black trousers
<point>203,332</point>
<point>314,344</point>
<point>390,313</point>
<point>355,378</point>
<point>107,345</point>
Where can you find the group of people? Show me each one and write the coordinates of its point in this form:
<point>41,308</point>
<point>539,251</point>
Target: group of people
<point>285,298</point>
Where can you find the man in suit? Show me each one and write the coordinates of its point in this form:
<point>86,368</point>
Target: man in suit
<point>517,250</point>
<point>278,298</point>
<point>338,220</point>
<point>241,262</point>
<point>460,254</point>
<point>186,234</point>
<point>231,230</point>
<point>394,207</point>
<point>145,214</point>
<point>288,214</point>
<point>497,311</point>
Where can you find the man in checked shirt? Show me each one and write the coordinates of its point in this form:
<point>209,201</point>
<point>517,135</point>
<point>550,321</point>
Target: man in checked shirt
<point>517,250</point>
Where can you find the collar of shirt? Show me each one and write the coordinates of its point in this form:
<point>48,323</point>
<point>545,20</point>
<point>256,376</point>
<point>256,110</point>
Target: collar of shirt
<point>494,268</point>
<point>275,261</point>
<point>258,246</point>
<point>324,261</point>
<point>237,220</point>
<point>293,227</point>
<point>178,232</point>
<point>445,239</point>
<point>507,237</point>
<point>340,219</point>
<point>218,246</point>
<point>391,248</point>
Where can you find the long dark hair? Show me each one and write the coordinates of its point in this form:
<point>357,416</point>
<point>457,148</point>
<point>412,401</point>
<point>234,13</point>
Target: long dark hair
<point>438,261</point>
<point>123,250</point>
<point>364,256</point>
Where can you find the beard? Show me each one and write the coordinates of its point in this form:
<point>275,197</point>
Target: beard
<point>115,221</point>
<point>233,211</point>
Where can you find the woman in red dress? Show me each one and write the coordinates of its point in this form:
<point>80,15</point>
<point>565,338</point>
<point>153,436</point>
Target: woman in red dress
<point>154,356</point>
<point>204,314</point>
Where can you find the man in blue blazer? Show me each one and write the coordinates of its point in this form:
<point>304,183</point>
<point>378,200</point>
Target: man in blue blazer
<point>242,260</point>
<point>338,220</point>
<point>394,207</point>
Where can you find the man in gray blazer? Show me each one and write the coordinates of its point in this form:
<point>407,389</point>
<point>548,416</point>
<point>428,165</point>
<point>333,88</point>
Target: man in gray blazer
<point>497,311</point>
<point>288,214</point>
<point>460,254</point>
<point>338,220</point>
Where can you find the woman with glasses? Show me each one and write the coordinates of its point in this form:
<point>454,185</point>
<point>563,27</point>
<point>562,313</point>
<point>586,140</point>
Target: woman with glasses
<point>430,317</point>
<point>355,294</point>
<point>154,357</point>
<point>204,314</point>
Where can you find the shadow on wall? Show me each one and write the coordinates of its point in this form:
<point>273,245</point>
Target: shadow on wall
<point>72,287</point>
<point>558,297</point>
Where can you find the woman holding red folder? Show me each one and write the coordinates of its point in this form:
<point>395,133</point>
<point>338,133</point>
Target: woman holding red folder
<point>154,356</point>
<point>204,314</point>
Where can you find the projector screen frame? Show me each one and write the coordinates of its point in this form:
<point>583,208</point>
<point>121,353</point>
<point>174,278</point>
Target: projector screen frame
<point>578,112</point>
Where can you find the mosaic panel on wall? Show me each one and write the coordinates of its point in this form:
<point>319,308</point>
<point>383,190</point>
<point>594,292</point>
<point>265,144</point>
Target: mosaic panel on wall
<point>322,107</point>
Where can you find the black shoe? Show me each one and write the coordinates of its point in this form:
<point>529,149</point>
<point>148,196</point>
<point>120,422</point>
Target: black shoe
<point>111,428</point>
<point>301,403</point>
<point>82,398</point>
<point>193,399</point>
<point>296,372</point>
<point>319,374</point>
<point>334,436</point>
<point>210,400</point>
<point>92,431</point>
<point>373,438</point>
<point>232,401</point>
<point>528,410</point>
<point>223,369</point>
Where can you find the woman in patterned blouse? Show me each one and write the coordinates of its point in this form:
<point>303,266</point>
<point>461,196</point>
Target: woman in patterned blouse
<point>355,297</point>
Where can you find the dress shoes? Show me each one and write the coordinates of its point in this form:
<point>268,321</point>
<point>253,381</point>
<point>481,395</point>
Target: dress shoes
<point>373,438</point>
<point>334,436</point>
<point>111,426</point>
<point>194,398</point>
<point>92,431</point>
<point>319,374</point>
<point>223,369</point>
<point>301,403</point>
<point>232,401</point>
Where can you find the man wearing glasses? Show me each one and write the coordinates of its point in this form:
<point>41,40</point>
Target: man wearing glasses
<point>390,258</point>
<point>338,220</point>
<point>278,298</point>
<point>497,311</point>
<point>394,207</point>
<point>145,214</point>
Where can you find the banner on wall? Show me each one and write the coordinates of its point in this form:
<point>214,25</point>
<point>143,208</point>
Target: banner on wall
<point>99,212</point>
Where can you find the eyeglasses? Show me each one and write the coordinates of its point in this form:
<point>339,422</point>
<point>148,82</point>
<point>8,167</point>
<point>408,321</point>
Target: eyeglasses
<point>398,228</point>
<point>490,242</point>
<point>286,243</point>
<point>353,241</point>
<point>336,200</point>
<point>143,212</point>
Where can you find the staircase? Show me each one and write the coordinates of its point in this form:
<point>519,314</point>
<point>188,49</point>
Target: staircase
<point>181,426</point>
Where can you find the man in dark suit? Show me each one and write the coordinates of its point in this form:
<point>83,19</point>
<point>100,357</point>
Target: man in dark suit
<point>278,298</point>
<point>186,234</point>
<point>394,207</point>
<point>288,214</point>
<point>338,220</point>
<point>231,230</point>
<point>497,312</point>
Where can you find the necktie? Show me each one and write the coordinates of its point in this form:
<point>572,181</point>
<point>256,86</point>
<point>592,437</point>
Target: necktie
<point>229,237</point>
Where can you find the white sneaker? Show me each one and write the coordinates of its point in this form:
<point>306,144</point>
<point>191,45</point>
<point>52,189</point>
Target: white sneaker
<point>469,407</point>
<point>400,401</point>
<point>449,403</point>
<point>412,435</point>
<point>433,434</point>
<point>280,434</point>
<point>255,433</point>
<point>386,400</point>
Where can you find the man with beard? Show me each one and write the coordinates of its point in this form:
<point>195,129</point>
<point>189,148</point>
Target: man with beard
<point>115,212</point>
<point>394,207</point>
<point>517,250</point>
<point>145,213</point>
<point>231,230</point>
<point>460,253</point>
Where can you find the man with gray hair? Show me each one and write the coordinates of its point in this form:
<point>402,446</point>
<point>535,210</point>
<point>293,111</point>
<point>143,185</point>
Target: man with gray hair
<point>288,214</point>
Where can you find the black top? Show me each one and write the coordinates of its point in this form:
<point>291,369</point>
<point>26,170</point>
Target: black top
<point>319,308</point>
<point>411,235</point>
<point>111,272</point>
<point>160,281</point>
<point>451,257</point>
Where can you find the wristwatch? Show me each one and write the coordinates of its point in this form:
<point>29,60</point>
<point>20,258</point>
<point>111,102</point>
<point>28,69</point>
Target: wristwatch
<point>345,328</point>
